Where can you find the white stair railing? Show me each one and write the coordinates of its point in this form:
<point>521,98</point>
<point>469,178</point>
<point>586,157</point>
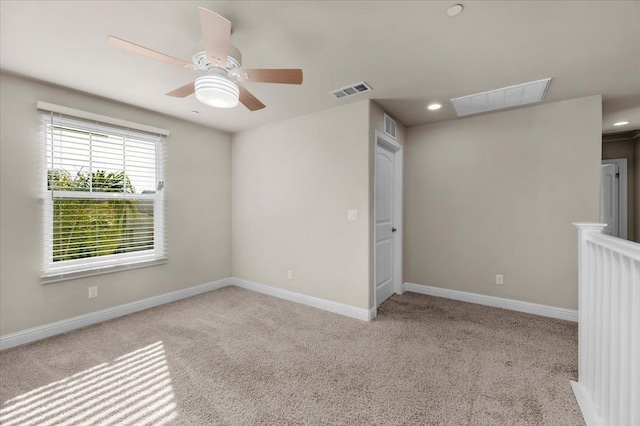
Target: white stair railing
<point>608,387</point>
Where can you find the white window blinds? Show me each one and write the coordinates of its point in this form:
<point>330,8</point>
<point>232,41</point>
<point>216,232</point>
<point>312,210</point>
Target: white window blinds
<point>104,207</point>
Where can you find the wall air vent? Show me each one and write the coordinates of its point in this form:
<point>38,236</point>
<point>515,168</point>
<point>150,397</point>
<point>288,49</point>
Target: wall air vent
<point>351,90</point>
<point>507,97</point>
<point>390,126</point>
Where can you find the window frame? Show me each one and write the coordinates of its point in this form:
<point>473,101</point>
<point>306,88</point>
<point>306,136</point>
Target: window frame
<point>77,268</point>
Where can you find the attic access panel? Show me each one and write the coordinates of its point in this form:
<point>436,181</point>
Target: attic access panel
<point>506,97</point>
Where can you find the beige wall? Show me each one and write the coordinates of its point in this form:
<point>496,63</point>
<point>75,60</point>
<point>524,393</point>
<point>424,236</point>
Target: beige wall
<point>198,195</point>
<point>484,195</point>
<point>625,149</point>
<point>497,194</point>
<point>293,182</point>
<point>376,122</point>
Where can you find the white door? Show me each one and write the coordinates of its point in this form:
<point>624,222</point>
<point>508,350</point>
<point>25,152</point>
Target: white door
<point>609,199</point>
<point>385,231</point>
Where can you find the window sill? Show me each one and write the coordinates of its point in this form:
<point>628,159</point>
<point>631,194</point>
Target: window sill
<point>66,276</point>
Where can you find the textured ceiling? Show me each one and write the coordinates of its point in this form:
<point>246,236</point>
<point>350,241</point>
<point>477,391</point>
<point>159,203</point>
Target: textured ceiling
<point>411,53</point>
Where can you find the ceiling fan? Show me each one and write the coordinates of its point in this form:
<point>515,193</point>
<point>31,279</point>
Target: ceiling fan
<point>221,87</point>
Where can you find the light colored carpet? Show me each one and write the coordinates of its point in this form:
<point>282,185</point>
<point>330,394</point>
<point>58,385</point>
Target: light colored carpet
<point>236,357</point>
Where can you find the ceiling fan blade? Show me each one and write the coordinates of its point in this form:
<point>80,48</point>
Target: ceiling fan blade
<point>183,92</point>
<point>248,100</point>
<point>285,76</point>
<point>132,47</point>
<point>216,30</point>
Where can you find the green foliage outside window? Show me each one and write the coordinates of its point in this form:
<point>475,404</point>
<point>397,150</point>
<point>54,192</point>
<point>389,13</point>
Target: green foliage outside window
<point>98,227</point>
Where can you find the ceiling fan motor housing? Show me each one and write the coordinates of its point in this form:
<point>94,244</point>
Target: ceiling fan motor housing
<point>199,58</point>
<point>216,90</point>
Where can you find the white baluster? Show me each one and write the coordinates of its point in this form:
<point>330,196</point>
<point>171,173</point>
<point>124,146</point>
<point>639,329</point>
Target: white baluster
<point>586,335</point>
<point>625,337</point>
<point>592,325</point>
<point>635,344</point>
<point>606,334</point>
<point>603,331</point>
<point>614,342</point>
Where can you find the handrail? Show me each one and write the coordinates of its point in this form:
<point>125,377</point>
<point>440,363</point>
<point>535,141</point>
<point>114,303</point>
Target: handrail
<point>620,246</point>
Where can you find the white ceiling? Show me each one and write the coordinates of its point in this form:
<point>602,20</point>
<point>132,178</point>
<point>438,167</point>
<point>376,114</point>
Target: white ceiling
<point>411,53</point>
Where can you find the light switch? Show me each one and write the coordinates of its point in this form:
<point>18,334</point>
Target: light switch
<point>352,215</point>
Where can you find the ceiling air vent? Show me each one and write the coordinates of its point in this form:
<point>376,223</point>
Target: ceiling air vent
<point>390,126</point>
<point>351,90</point>
<point>507,97</point>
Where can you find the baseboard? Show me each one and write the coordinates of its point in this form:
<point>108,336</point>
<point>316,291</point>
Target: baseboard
<point>586,406</point>
<point>36,333</point>
<point>325,305</point>
<point>496,302</point>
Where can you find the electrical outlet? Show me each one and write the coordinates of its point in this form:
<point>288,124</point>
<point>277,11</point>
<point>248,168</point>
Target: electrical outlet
<point>93,292</point>
<point>290,275</point>
<point>352,215</point>
<point>500,279</point>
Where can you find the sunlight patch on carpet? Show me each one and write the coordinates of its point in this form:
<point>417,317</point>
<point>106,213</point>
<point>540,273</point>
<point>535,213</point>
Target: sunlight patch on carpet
<point>133,389</point>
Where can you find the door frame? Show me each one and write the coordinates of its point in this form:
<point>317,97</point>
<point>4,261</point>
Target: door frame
<point>385,141</point>
<point>622,194</point>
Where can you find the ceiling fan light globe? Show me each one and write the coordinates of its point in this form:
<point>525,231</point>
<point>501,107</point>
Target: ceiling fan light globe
<point>217,91</point>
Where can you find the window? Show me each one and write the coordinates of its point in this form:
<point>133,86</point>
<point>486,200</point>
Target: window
<point>103,198</point>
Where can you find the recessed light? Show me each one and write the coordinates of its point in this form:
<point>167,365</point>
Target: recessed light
<point>434,106</point>
<point>454,10</point>
<point>621,123</point>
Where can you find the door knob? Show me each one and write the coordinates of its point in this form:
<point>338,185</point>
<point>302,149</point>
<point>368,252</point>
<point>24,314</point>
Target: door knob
<point>393,229</point>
